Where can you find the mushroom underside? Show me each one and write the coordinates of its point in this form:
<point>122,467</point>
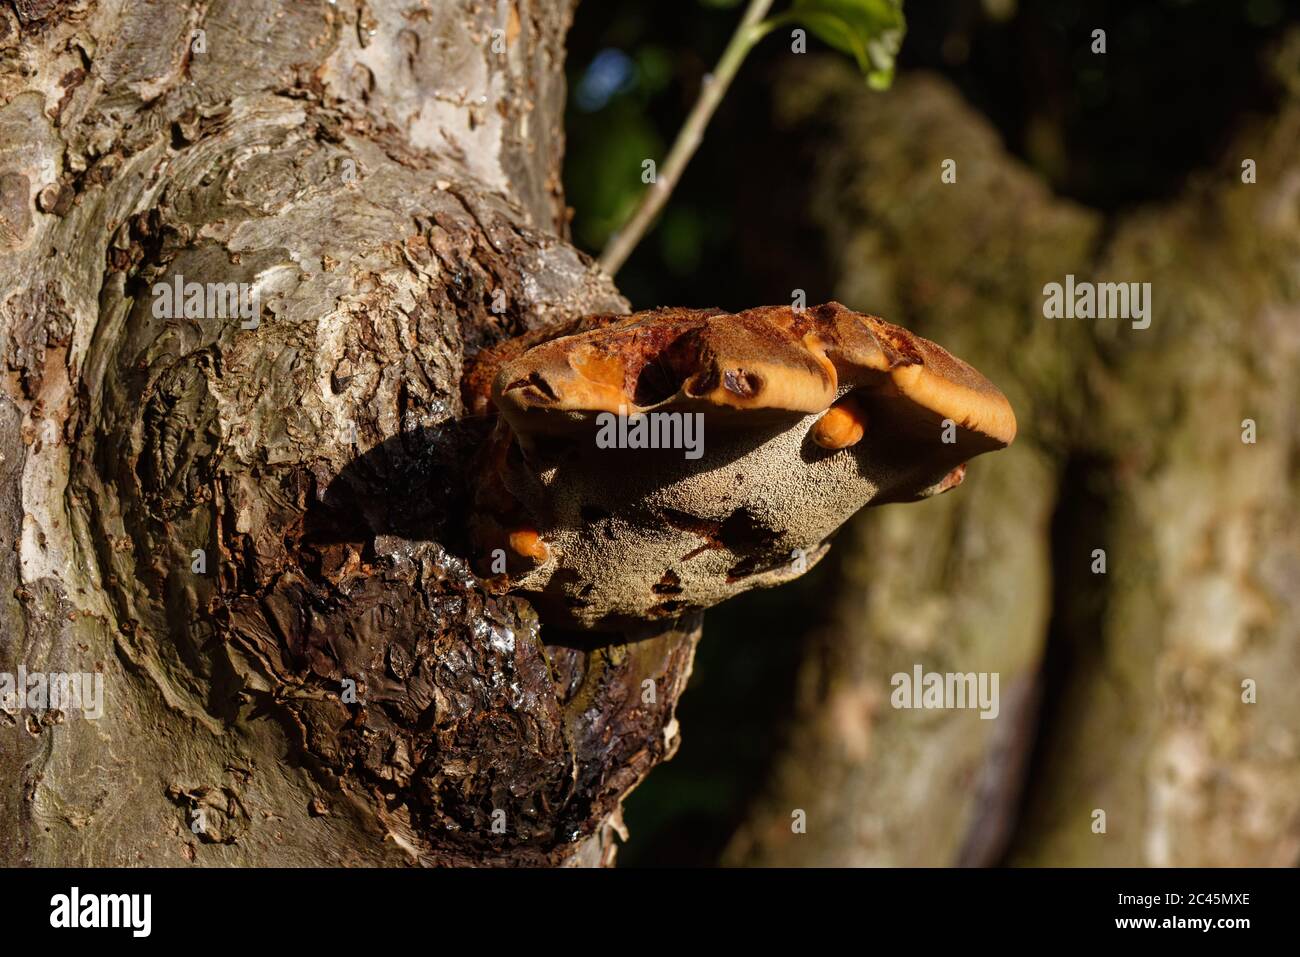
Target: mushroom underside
<point>638,533</point>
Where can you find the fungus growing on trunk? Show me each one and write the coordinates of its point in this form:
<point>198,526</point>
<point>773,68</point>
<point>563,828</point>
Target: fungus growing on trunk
<point>646,465</point>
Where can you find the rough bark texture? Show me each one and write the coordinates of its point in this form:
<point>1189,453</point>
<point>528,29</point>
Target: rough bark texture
<point>383,173</point>
<point>1131,441</point>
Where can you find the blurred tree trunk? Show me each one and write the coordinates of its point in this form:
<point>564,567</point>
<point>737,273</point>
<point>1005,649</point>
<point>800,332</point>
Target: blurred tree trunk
<point>1122,691</point>
<point>232,525</point>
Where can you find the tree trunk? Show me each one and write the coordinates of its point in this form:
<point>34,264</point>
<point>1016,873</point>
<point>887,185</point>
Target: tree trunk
<point>1131,442</point>
<point>253,529</point>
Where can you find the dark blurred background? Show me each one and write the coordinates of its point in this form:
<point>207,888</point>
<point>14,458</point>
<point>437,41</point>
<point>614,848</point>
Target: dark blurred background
<point>1178,78</point>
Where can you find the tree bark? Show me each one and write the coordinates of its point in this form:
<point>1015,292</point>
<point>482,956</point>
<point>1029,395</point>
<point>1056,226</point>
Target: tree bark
<point>232,525</point>
<point>1131,442</point>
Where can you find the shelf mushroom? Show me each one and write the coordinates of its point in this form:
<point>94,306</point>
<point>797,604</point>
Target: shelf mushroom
<point>647,465</point>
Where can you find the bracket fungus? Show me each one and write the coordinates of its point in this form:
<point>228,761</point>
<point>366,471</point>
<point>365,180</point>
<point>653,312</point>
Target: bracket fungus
<point>648,465</point>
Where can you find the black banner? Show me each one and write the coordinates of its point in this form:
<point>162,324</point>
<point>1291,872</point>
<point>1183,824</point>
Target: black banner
<point>329,907</point>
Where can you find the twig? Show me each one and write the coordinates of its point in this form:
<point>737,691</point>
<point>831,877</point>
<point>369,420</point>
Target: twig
<point>751,30</point>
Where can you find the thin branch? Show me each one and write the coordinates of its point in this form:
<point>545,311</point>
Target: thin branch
<point>751,30</point>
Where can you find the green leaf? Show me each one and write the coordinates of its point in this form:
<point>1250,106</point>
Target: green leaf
<point>870,30</point>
